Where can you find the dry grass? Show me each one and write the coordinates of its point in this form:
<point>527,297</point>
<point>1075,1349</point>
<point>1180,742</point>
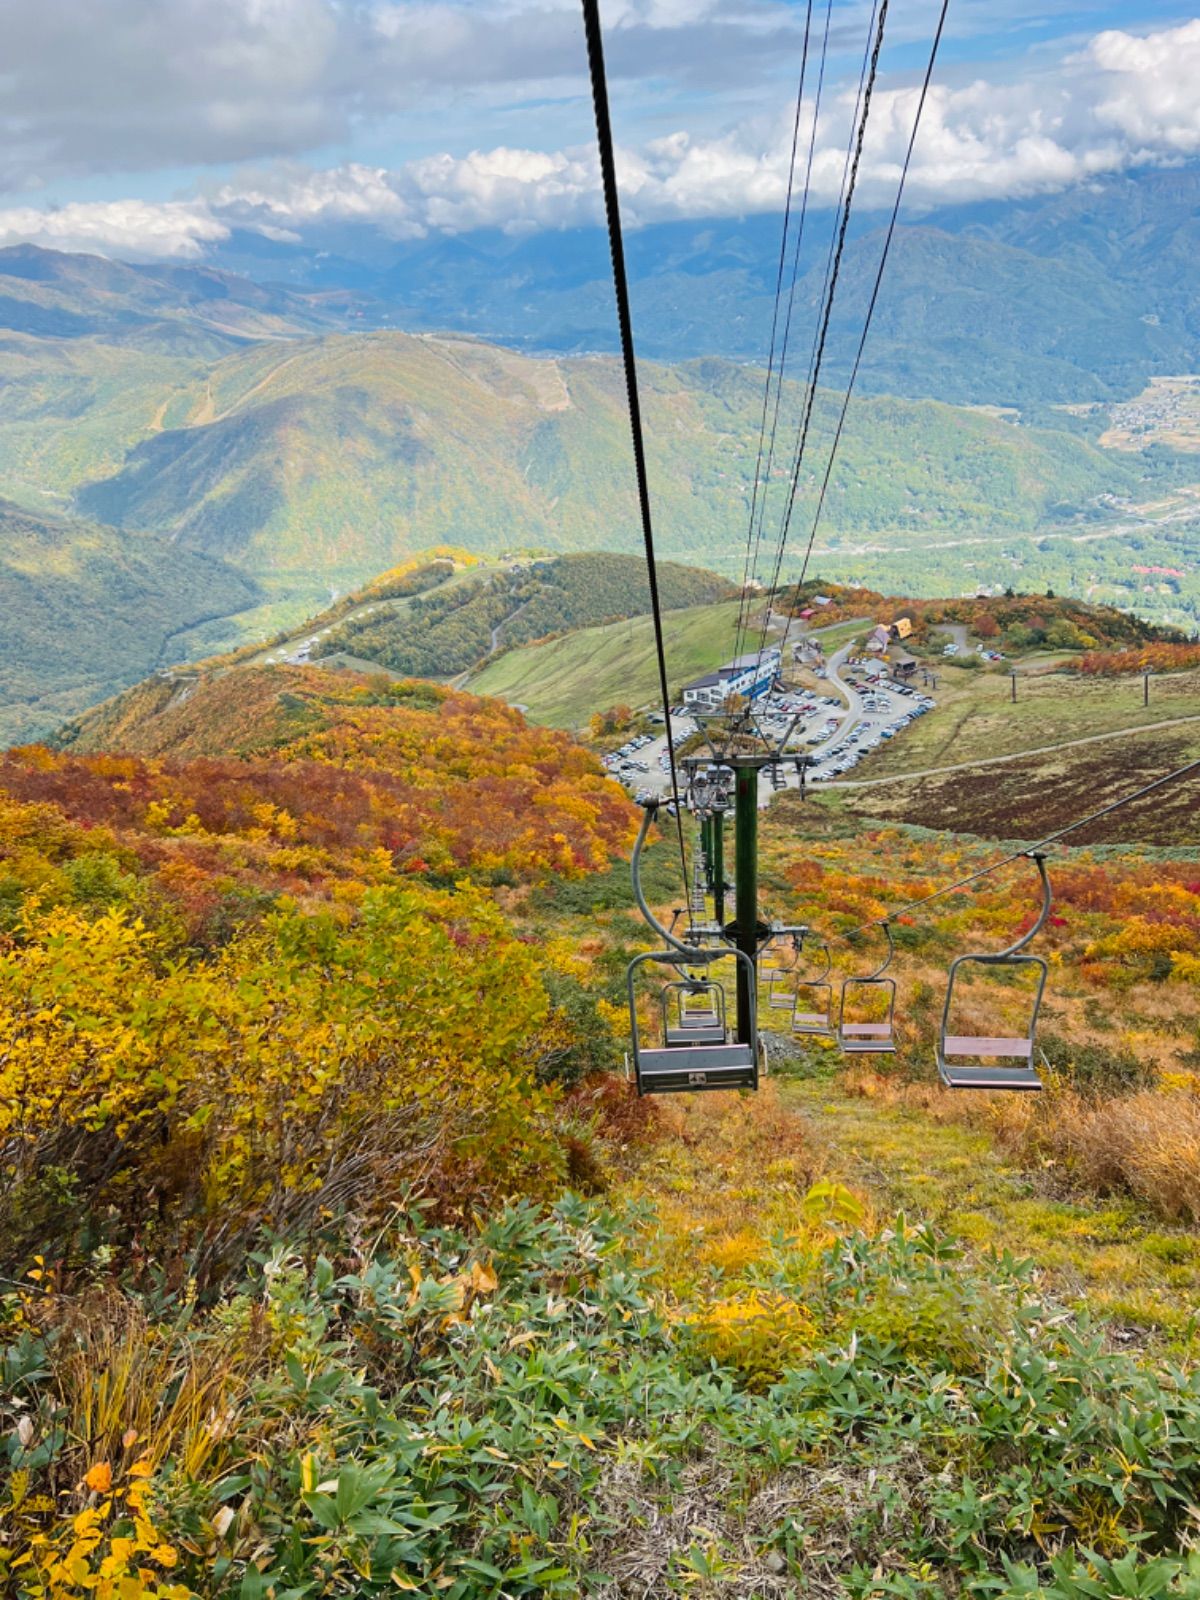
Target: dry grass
<point>1146,1144</point>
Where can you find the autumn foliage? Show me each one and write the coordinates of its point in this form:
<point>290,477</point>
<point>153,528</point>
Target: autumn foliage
<point>1151,657</point>
<point>247,993</point>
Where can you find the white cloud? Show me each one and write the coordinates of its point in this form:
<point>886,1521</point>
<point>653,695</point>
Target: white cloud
<point>139,85</point>
<point>134,230</point>
<point>1153,102</point>
<point>1122,100</point>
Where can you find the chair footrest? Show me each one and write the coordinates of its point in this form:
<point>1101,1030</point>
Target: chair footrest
<point>699,1066</point>
<point>955,1077</point>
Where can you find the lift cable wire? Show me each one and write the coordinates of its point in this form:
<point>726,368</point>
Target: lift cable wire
<point>787,328</point>
<point>838,209</point>
<point>887,245</point>
<point>1026,853</point>
<point>612,208</point>
<point>827,309</point>
<point>751,560</point>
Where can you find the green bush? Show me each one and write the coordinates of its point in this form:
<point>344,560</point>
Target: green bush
<point>1097,1071</point>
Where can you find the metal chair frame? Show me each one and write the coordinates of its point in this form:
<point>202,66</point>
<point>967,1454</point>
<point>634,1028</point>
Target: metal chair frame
<point>672,1069</point>
<point>877,1038</point>
<point>816,1022</point>
<point>958,1075</point>
<point>695,1024</point>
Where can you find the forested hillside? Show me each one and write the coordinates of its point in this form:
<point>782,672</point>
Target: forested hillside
<point>459,627</point>
<point>87,610</point>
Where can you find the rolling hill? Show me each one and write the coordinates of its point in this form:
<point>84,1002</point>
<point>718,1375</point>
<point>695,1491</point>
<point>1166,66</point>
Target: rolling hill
<point>194,311</point>
<point>327,460</point>
<point>457,626</point>
<point>87,610</point>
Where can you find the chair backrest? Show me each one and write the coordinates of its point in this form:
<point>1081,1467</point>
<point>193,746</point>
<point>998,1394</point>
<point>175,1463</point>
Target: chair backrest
<point>958,1054</point>
<point>870,1033</point>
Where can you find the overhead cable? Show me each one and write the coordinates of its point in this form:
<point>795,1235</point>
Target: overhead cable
<point>827,309</point>
<point>751,558</point>
<point>887,245</point>
<point>612,208</point>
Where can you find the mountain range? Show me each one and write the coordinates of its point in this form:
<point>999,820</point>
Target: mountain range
<point>1055,298</point>
<point>193,457</point>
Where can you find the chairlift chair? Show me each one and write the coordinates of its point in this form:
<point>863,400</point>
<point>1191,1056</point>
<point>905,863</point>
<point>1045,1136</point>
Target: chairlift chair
<point>876,1036</point>
<point>691,1065</point>
<point>812,1000</point>
<point>699,1012</point>
<point>781,991</point>
<point>1013,1053</point>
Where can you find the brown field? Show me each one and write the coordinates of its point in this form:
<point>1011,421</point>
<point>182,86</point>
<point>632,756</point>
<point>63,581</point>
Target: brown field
<point>1028,799</point>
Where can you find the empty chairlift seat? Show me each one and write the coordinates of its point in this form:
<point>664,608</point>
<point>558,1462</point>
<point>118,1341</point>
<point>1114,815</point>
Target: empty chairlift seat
<point>1004,1059</point>
<point>781,984</point>
<point>693,1012</point>
<point>867,1010</point>
<point>812,1001</point>
<point>693,1064</point>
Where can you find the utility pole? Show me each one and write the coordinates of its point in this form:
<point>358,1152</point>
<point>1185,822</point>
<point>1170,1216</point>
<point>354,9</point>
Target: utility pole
<point>1145,688</point>
<point>1013,680</point>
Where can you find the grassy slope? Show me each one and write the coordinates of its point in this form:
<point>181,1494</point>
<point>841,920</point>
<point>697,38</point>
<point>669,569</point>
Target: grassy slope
<point>975,720</point>
<point>563,681</point>
<point>916,1158</point>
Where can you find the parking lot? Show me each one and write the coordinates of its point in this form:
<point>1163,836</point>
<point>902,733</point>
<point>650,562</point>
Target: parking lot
<point>851,715</point>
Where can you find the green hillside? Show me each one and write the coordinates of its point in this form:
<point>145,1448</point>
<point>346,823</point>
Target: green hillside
<point>458,625</point>
<point>562,681</point>
<point>351,451</point>
<point>87,611</point>
<point>324,460</point>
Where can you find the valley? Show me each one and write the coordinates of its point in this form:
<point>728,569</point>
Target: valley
<point>246,427</point>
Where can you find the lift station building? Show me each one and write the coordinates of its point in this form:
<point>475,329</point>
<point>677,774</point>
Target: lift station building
<point>748,677</point>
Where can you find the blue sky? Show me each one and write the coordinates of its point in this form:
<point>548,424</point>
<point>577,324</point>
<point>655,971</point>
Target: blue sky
<point>150,128</point>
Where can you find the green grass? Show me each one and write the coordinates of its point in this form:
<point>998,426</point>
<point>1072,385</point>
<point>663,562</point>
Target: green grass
<point>564,680</point>
<point>976,718</point>
<point>1106,1255</point>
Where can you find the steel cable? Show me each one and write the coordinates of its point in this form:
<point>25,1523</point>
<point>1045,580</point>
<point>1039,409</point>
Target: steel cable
<point>612,209</point>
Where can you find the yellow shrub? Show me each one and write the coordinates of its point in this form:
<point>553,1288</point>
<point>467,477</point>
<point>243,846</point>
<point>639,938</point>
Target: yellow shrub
<point>109,1550</point>
<point>311,1064</point>
<point>759,1334</point>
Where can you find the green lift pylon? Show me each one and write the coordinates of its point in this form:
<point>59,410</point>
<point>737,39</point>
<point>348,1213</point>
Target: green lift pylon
<point>746,930</point>
<point>717,840</point>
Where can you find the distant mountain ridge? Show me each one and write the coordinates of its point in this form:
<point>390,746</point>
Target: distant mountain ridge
<point>195,311</point>
<point>1058,298</point>
<point>1064,297</point>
